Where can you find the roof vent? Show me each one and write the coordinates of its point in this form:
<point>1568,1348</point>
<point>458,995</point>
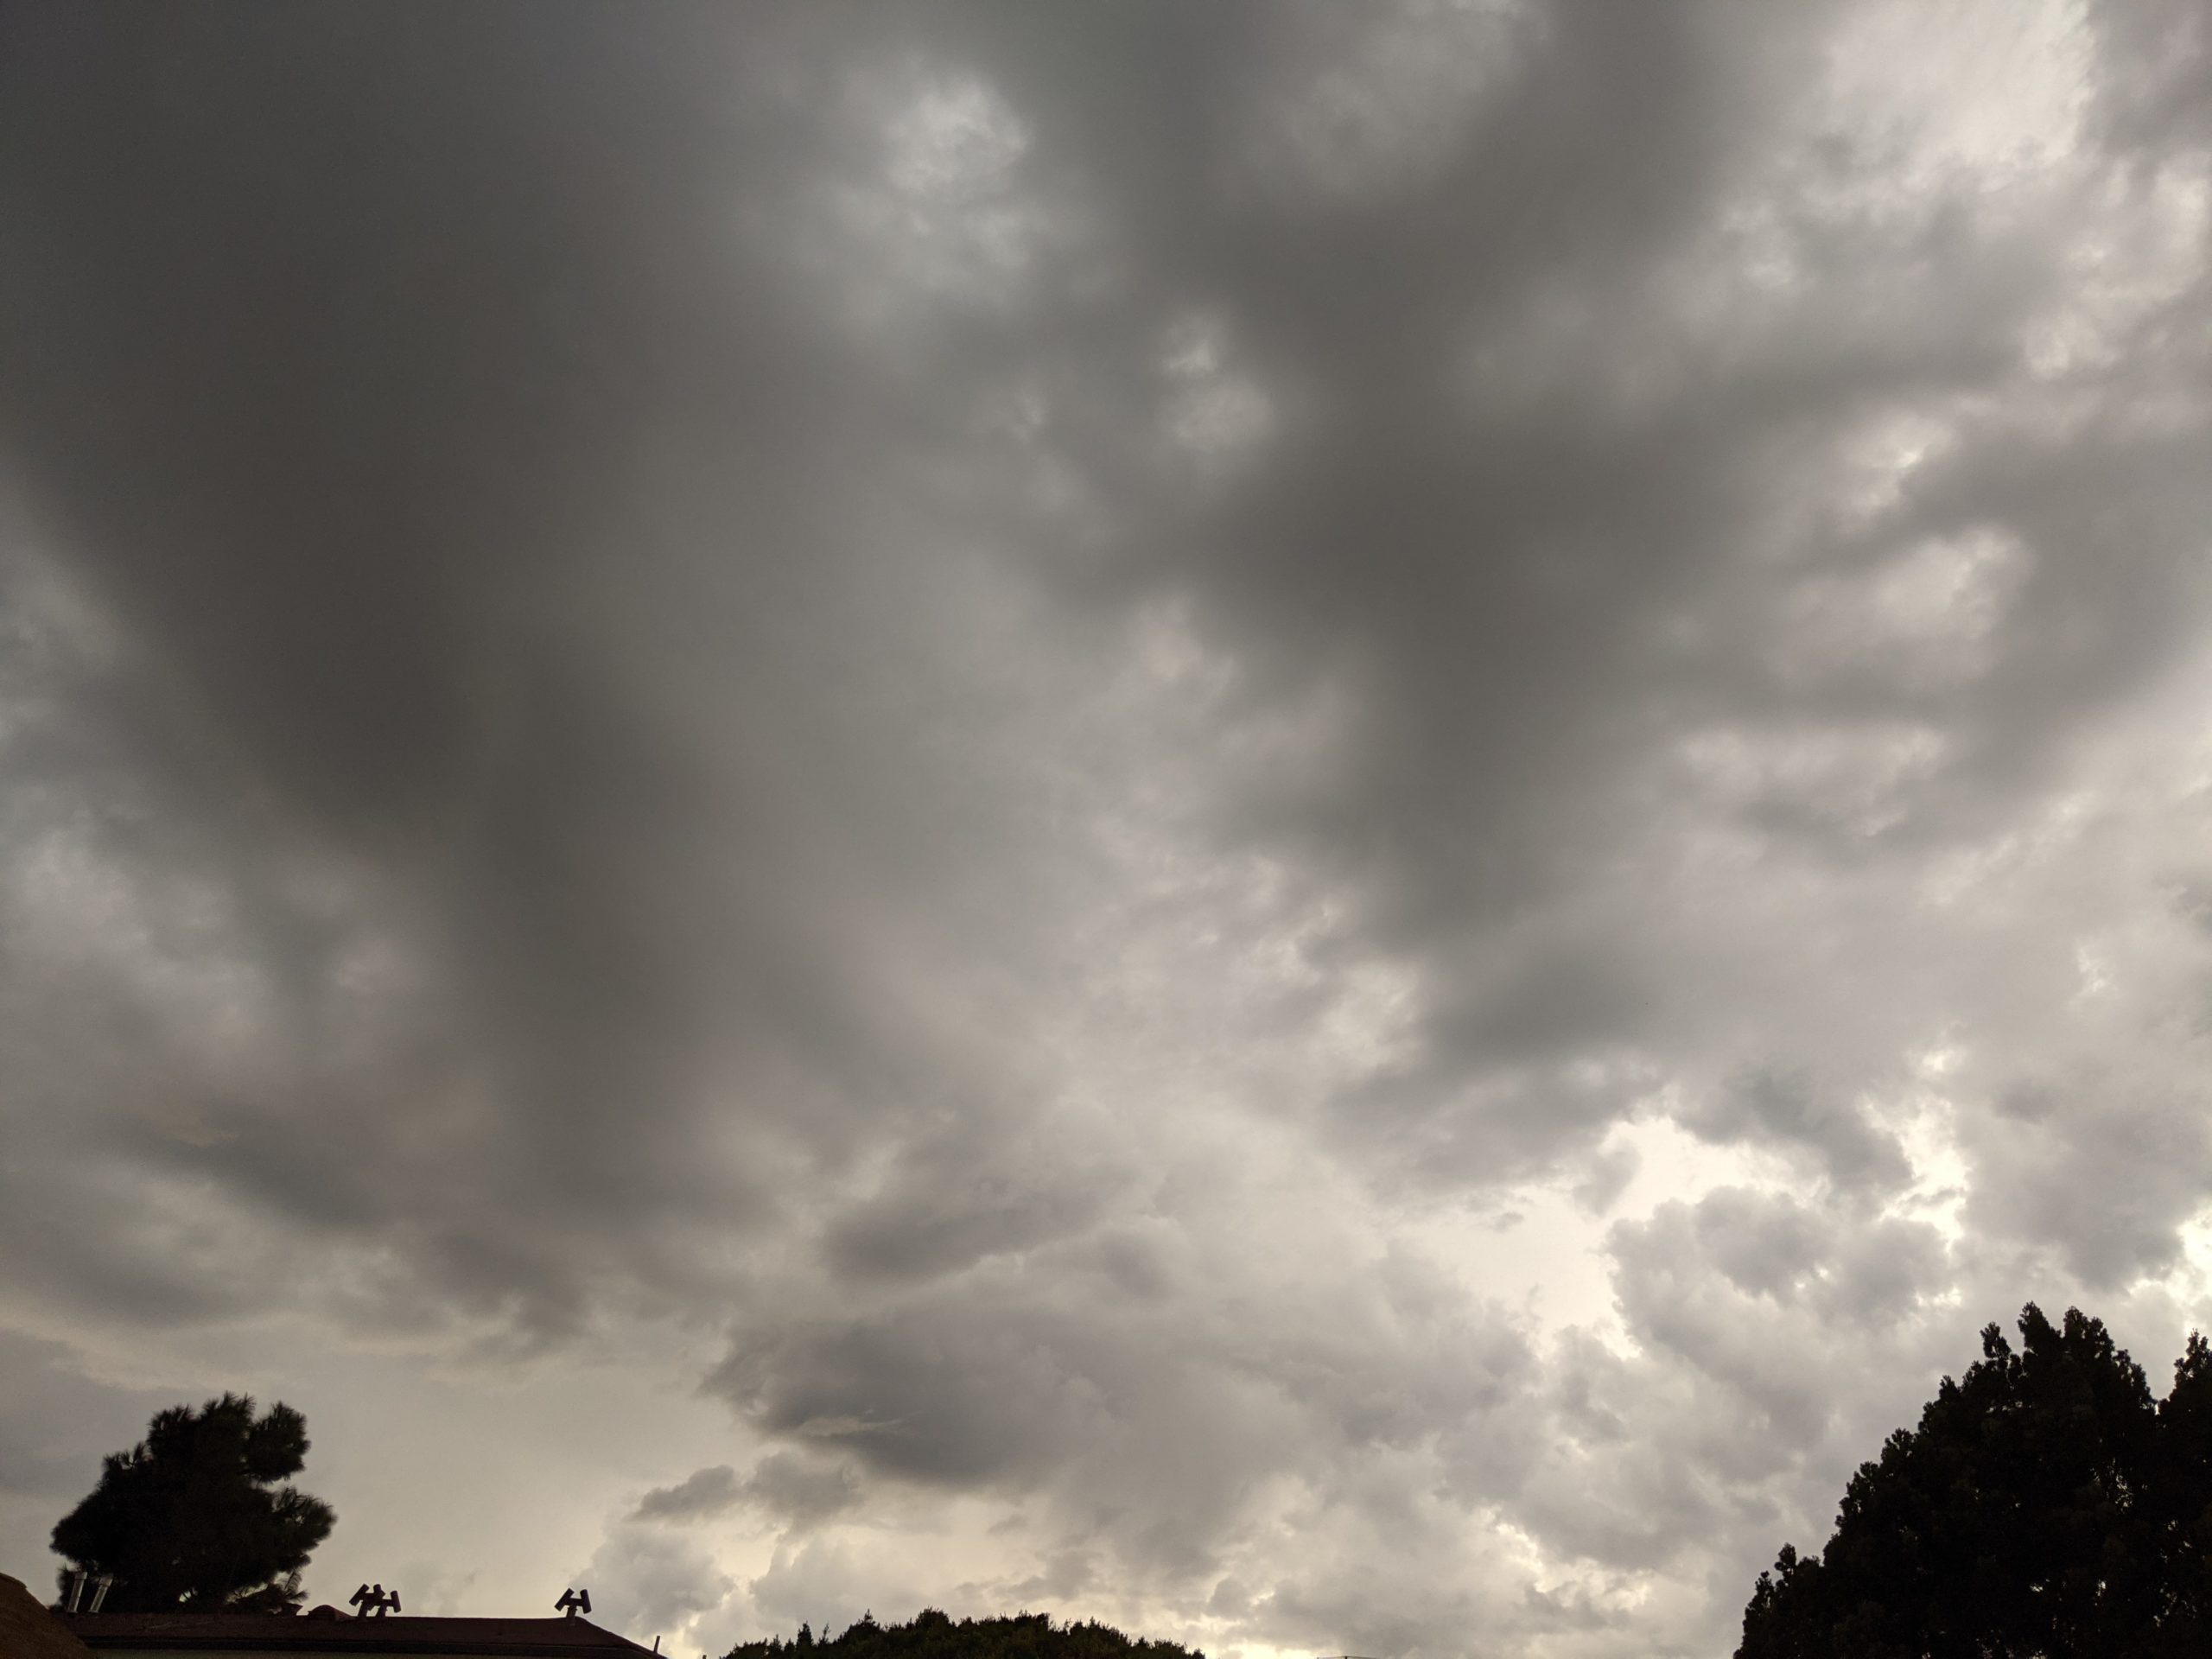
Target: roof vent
<point>375,1599</point>
<point>76,1581</point>
<point>573,1602</point>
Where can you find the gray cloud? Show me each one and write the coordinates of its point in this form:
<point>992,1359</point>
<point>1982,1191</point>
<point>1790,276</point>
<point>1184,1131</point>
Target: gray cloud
<point>1024,708</point>
<point>1795,1113</point>
<point>2108,1179</point>
<point>54,1411</point>
<point>800,1493</point>
<point>704,1492</point>
<point>786,1488</point>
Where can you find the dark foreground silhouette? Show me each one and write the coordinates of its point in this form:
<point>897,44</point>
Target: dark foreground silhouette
<point>193,1517</point>
<point>930,1635</point>
<point>2047,1507</point>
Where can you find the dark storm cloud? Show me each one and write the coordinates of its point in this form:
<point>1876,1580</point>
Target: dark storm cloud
<point>1146,1418</point>
<point>1014,696</point>
<point>377,396</point>
<point>410,394</point>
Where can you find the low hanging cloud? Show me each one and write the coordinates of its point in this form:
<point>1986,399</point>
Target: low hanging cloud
<point>1319,825</point>
<point>704,1492</point>
<point>782,1487</point>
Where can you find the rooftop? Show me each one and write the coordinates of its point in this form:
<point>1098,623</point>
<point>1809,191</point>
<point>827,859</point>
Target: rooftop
<point>27,1631</point>
<point>326,1631</point>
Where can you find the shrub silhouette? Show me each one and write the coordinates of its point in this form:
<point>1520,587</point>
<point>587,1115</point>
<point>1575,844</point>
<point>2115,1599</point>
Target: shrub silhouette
<point>932,1635</point>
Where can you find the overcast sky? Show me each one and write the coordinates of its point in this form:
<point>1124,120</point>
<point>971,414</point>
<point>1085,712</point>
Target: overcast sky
<point>1323,826</point>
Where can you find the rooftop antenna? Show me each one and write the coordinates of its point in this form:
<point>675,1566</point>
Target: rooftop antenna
<point>375,1601</point>
<point>573,1602</point>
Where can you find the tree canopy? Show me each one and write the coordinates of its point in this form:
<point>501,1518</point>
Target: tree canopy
<point>932,1635</point>
<point>2046,1507</point>
<point>193,1517</point>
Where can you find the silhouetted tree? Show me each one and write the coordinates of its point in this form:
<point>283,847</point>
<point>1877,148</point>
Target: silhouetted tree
<point>932,1635</point>
<point>2045,1508</point>
<point>193,1515</point>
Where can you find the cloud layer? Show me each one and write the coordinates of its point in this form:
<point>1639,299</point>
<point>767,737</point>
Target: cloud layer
<point>1326,826</point>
